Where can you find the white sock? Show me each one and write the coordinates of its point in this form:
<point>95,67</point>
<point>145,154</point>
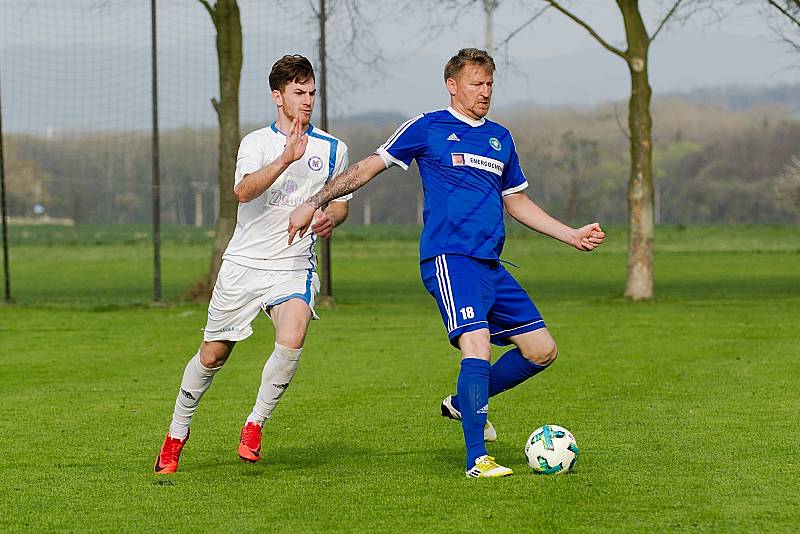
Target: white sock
<point>275,378</point>
<point>196,380</point>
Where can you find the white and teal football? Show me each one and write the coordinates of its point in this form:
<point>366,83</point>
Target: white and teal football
<point>550,450</point>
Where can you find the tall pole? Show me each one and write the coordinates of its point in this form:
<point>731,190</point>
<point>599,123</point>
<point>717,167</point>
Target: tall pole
<point>488,28</point>
<point>156,167</point>
<point>327,291</point>
<point>4,205</point>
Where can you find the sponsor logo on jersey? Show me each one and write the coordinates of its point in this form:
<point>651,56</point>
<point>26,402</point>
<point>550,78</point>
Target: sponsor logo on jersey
<point>279,198</point>
<point>315,163</point>
<point>453,137</point>
<point>283,196</point>
<point>495,144</point>
<point>478,162</point>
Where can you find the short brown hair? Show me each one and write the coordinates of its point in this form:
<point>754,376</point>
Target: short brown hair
<point>468,55</point>
<point>288,69</point>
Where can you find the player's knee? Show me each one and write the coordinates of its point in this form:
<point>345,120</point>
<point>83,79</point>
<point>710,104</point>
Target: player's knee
<point>212,361</point>
<point>544,355</point>
<point>475,344</point>
<point>214,354</point>
<point>292,340</point>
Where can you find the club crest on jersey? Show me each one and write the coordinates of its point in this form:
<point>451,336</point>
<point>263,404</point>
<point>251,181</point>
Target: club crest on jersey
<point>495,144</point>
<point>289,187</point>
<point>315,163</point>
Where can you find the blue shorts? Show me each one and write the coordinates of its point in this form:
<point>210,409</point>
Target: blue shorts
<point>474,294</point>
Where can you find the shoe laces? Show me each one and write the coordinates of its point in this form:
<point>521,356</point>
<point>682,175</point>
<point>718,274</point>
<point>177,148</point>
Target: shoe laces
<point>488,461</point>
<point>172,448</point>
<point>250,434</point>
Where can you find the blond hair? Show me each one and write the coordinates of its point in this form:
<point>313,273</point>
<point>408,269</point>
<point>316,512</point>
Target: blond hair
<point>465,56</point>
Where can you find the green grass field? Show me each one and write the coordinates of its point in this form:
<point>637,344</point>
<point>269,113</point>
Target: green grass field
<point>684,408</point>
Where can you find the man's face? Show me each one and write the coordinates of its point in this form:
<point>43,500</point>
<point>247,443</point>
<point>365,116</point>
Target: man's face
<point>471,90</point>
<point>296,101</point>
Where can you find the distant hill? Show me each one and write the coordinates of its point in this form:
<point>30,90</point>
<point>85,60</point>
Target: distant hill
<point>370,118</point>
<point>743,97</point>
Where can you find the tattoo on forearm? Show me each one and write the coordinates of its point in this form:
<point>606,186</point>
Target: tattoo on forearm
<point>347,182</point>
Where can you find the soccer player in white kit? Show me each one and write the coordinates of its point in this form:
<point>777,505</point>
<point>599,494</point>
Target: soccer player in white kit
<point>277,168</point>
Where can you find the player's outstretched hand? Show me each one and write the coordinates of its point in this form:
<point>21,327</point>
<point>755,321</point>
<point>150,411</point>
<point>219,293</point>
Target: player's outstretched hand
<point>589,237</point>
<point>300,220</point>
<point>296,142</point>
<point>323,224</point>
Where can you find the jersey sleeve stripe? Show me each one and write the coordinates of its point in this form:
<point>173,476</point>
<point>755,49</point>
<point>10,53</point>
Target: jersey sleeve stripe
<point>403,127</point>
<point>390,160</point>
<point>516,189</point>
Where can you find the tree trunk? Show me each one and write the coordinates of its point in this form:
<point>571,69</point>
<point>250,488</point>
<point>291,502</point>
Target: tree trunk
<point>229,53</point>
<point>639,283</point>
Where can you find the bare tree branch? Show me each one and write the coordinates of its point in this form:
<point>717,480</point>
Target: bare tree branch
<point>622,128</point>
<point>363,44</point>
<point>355,43</point>
<point>313,7</point>
<point>208,8</point>
<point>783,10</point>
<point>588,28</point>
<point>665,19</point>
<point>523,26</point>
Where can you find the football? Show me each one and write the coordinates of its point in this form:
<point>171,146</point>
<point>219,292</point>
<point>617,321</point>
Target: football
<point>551,450</point>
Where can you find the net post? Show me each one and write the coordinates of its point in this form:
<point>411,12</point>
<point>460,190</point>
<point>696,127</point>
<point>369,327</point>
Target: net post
<point>4,211</point>
<point>156,170</point>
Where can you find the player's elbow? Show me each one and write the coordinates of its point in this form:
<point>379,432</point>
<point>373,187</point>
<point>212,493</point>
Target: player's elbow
<point>242,195</point>
<point>512,207</point>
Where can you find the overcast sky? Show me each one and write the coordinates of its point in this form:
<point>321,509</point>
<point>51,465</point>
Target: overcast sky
<point>85,63</point>
<point>554,61</point>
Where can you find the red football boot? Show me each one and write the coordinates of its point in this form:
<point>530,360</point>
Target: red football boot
<point>250,442</point>
<point>167,459</point>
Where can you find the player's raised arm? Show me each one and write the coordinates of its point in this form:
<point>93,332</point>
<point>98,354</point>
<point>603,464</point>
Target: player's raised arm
<point>255,183</point>
<point>526,211</point>
<point>345,183</point>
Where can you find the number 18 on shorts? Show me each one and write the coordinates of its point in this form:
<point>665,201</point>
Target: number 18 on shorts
<point>473,293</point>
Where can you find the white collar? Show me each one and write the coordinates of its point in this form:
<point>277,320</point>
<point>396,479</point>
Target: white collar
<point>463,118</point>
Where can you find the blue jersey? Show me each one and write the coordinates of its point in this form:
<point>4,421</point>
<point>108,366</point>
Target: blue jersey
<point>467,166</point>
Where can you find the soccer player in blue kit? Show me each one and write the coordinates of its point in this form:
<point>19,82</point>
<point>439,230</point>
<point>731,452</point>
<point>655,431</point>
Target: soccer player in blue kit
<point>470,172</point>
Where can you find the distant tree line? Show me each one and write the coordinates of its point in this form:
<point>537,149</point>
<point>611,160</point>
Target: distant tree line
<point>712,164</point>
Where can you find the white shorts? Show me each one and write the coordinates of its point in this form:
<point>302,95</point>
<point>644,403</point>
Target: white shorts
<point>241,292</point>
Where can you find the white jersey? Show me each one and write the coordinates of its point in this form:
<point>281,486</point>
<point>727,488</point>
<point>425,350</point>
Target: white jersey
<point>260,238</point>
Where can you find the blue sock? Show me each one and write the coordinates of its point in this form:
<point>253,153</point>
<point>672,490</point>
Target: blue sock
<point>473,388</point>
<point>511,370</point>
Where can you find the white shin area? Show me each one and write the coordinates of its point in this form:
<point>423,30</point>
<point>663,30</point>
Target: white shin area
<point>196,381</point>
<point>275,379</point>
